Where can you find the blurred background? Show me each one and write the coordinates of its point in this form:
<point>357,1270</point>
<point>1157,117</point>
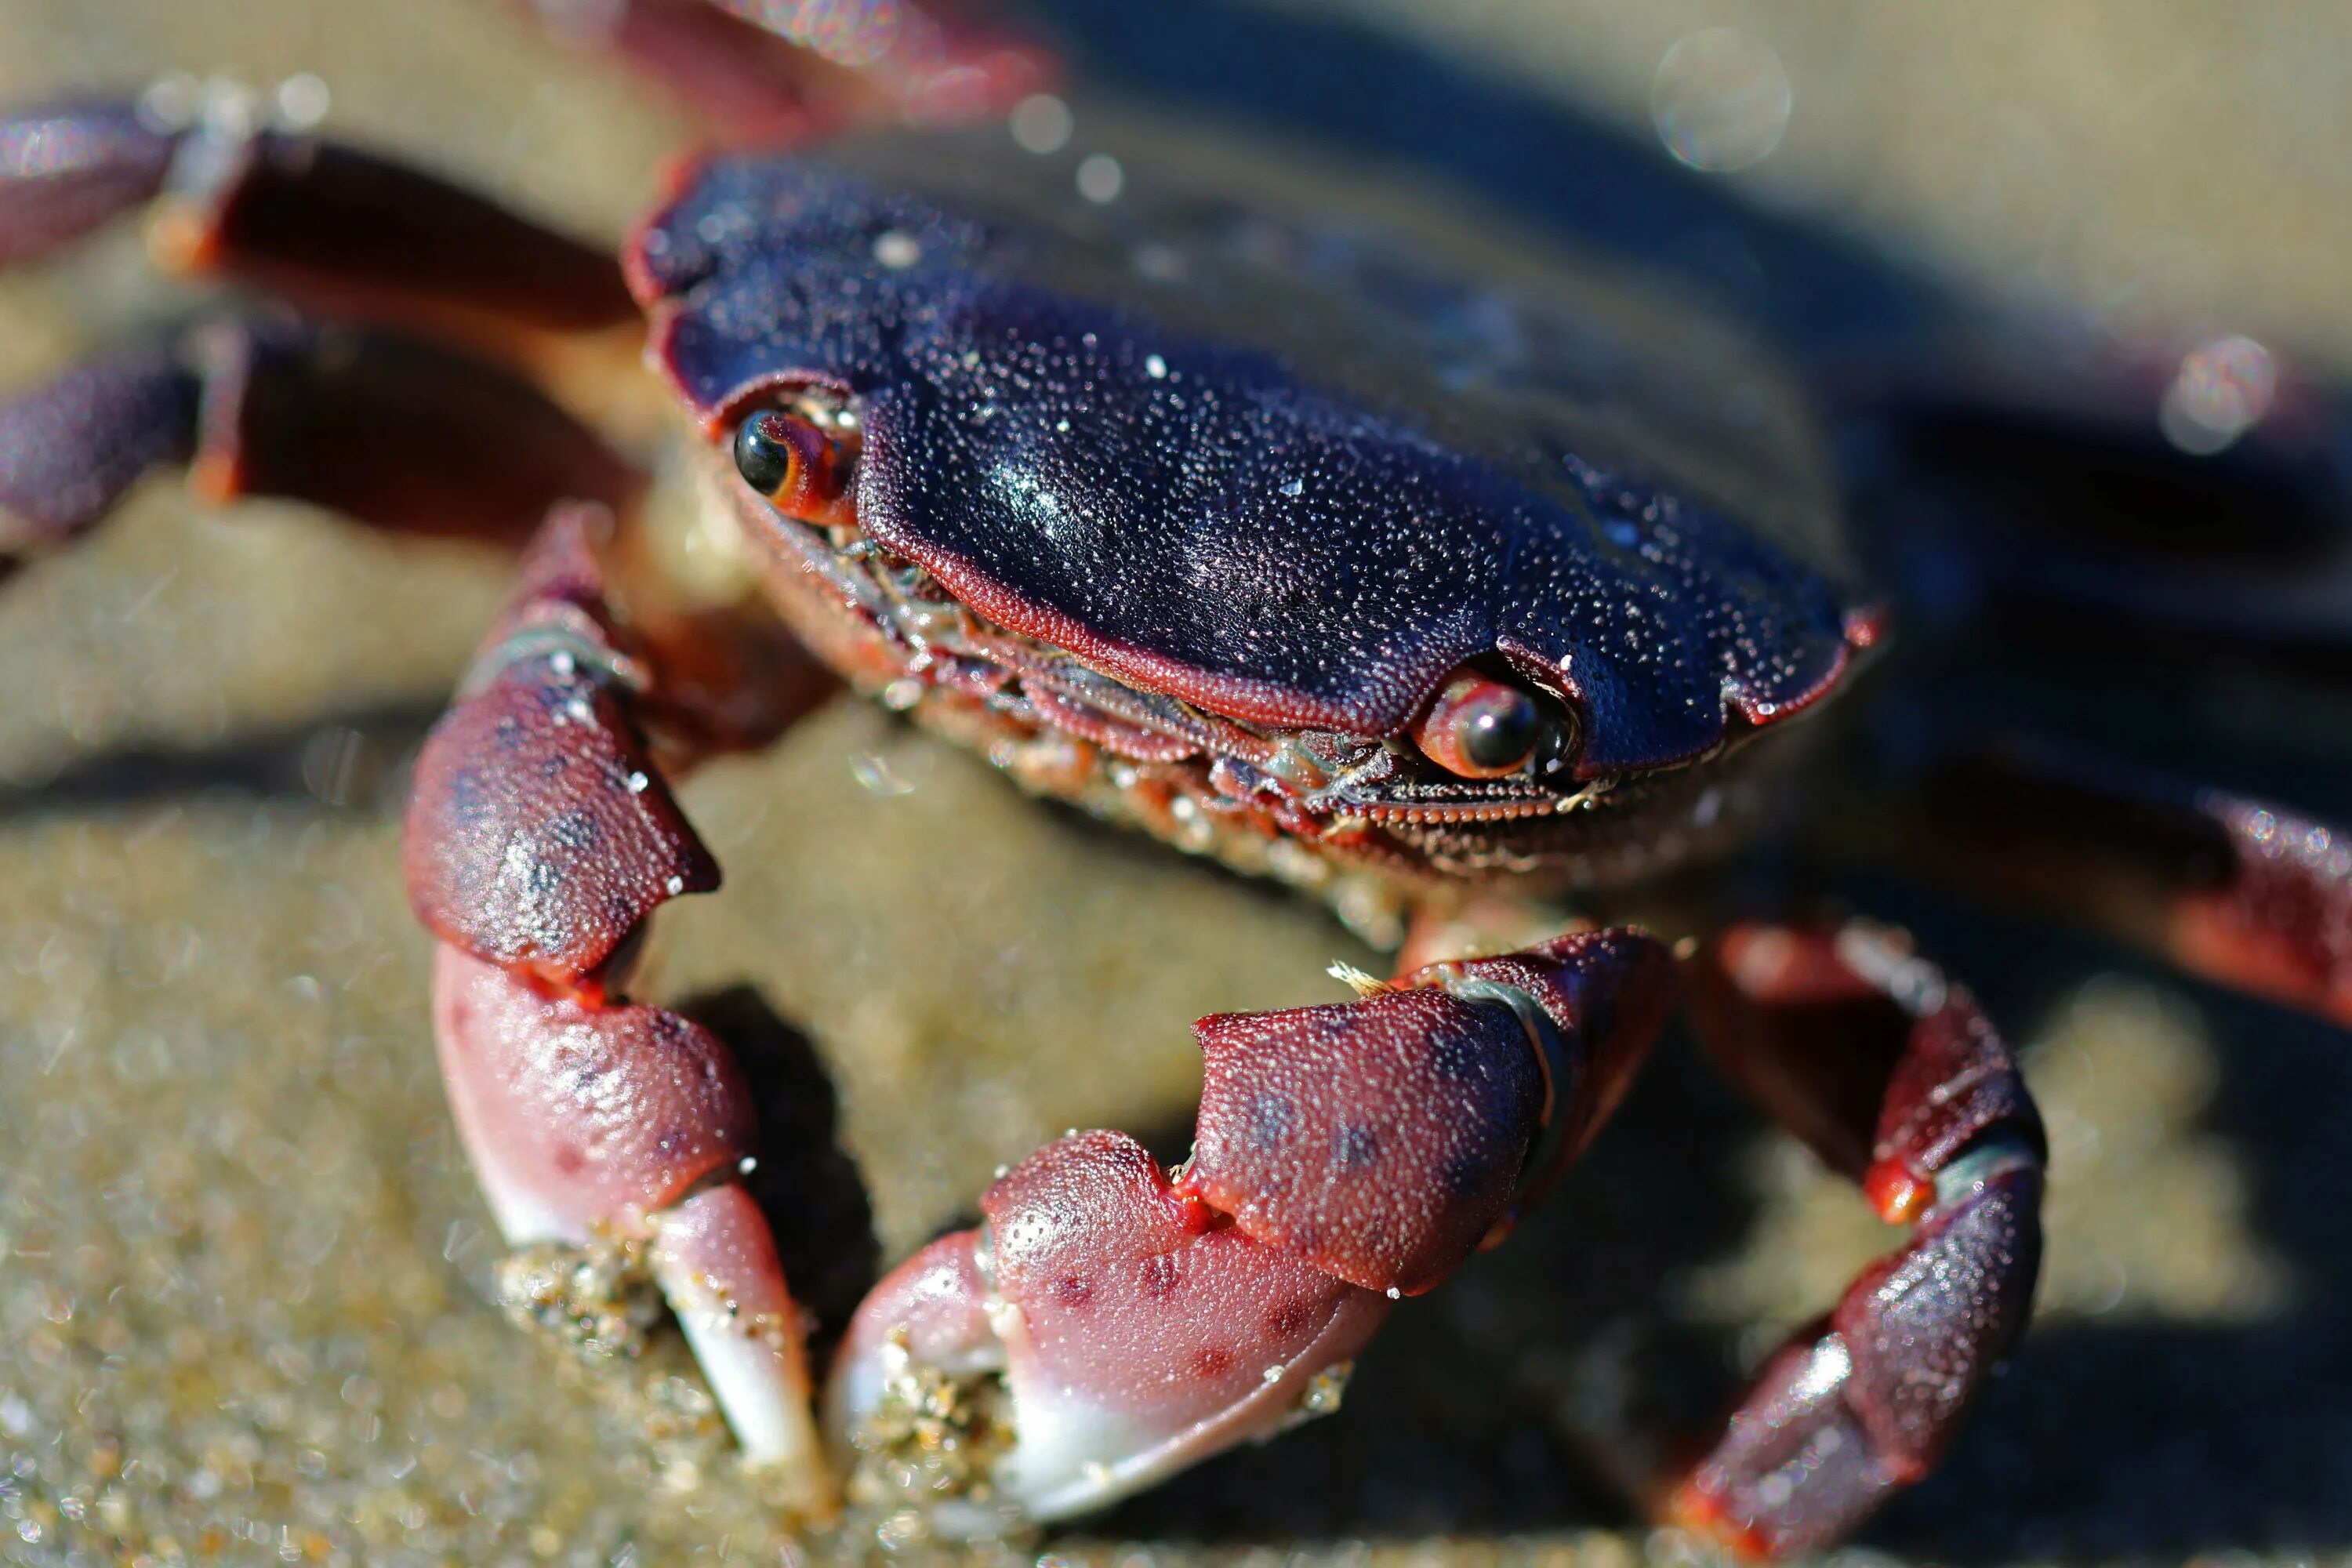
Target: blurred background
<point>243,1272</point>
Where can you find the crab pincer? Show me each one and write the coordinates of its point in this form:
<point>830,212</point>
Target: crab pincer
<point>1112,1323</point>
<point>1134,1331</point>
<point>540,838</point>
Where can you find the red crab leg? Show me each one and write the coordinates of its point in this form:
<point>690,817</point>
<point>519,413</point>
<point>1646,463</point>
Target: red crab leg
<point>540,837</point>
<point>384,429</point>
<point>1894,1077</point>
<point>325,224</point>
<point>1132,1321</point>
<point>784,72</point>
<point>2244,892</point>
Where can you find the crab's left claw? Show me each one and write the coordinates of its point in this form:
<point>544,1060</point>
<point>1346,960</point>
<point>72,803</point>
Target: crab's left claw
<point>1113,1322</point>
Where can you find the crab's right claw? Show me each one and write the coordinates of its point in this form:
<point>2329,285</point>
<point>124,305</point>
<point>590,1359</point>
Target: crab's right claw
<point>1062,1357</point>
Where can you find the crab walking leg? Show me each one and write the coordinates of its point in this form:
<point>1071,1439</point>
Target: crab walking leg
<point>1112,1323</point>
<point>763,75</point>
<point>2244,892</point>
<point>71,168</point>
<point>389,429</point>
<point>2053,487</point>
<point>540,837</point>
<point>1894,1078</point>
<point>304,215</point>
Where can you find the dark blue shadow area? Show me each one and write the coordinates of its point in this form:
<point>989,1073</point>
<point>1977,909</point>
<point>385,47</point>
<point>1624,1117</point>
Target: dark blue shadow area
<point>1386,98</point>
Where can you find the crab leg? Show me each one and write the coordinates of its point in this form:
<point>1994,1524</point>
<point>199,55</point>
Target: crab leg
<point>1894,1077</point>
<point>540,837</point>
<point>306,217</point>
<point>388,429</point>
<point>1112,1323</point>
<point>780,74</point>
<point>2149,503</point>
<point>2244,892</point>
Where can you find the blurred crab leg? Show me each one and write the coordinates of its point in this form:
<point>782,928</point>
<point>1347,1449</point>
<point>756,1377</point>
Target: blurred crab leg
<point>69,450</point>
<point>2244,892</point>
<point>387,430</point>
<point>540,837</point>
<point>305,215</point>
<point>1895,1079</point>
<point>782,75</point>
<point>2017,477</point>
<point>71,168</point>
<point>1113,1322</point>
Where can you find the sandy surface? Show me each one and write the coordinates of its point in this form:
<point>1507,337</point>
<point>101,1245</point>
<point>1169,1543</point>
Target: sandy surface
<point>242,1269</point>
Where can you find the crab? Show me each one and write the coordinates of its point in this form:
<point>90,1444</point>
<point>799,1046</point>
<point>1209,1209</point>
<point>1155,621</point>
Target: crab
<point>1324,529</point>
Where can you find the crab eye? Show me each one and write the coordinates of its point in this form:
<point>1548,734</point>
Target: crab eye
<point>1482,728</point>
<point>791,461</point>
<point>772,449</point>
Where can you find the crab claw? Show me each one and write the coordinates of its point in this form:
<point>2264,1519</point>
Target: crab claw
<point>1379,1138</point>
<point>628,1124</point>
<point>1113,1323</point>
<point>1099,1332</point>
<point>609,1137</point>
<point>540,832</point>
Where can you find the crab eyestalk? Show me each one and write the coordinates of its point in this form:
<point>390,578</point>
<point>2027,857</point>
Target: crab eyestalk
<point>1112,1323</point>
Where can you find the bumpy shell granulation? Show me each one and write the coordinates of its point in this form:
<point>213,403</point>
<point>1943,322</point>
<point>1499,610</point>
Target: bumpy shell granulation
<point>1293,475</point>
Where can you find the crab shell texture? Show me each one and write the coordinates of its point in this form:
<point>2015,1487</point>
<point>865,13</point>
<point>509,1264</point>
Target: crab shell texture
<point>1213,484</point>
